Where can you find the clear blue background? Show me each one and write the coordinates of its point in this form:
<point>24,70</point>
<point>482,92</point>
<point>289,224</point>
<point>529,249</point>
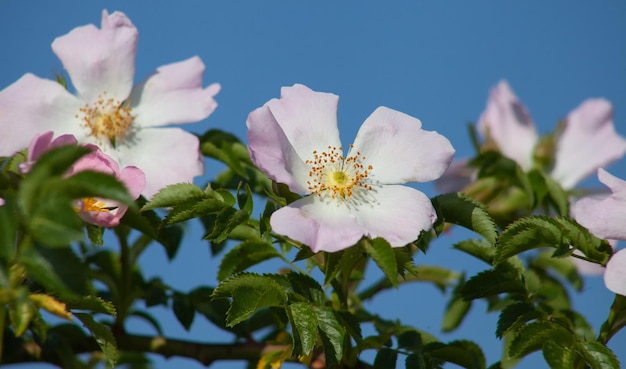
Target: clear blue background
<point>433,60</point>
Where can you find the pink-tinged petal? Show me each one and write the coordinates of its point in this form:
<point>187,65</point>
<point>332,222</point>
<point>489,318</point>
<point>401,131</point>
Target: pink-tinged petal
<point>96,161</point>
<point>308,119</point>
<point>134,179</point>
<point>271,151</point>
<point>615,274</point>
<point>398,214</point>
<point>508,124</point>
<point>165,155</point>
<point>604,215</point>
<point>42,143</point>
<point>318,224</point>
<point>399,150</point>
<point>99,60</point>
<point>33,105</point>
<point>109,217</point>
<point>39,145</point>
<point>588,142</point>
<point>173,95</point>
<point>456,177</point>
<point>2,201</point>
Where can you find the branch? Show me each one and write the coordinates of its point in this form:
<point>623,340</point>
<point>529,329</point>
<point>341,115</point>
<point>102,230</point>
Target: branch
<point>205,353</point>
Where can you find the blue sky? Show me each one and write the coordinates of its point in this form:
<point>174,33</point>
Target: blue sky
<point>433,60</point>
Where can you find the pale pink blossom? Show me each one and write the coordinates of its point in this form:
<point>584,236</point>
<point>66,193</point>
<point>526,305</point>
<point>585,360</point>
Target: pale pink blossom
<point>588,140</point>
<point>605,217</point>
<point>126,122</point>
<point>295,141</point>
<point>94,210</point>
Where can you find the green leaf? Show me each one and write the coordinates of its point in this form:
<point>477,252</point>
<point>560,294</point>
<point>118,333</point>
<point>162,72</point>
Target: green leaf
<point>480,249</point>
<point>46,272</point>
<point>410,340</point>
<point>244,199</point>
<point>564,266</point>
<point>459,209</point>
<point>515,315</point>
<point>55,223</point>
<point>245,255</point>
<point>502,278</point>
<point>95,234</point>
<point>307,287</point>
<point>8,223</point>
<point>21,311</point>
<point>542,231</point>
<point>352,325</point>
<point>558,356</point>
<point>599,356</point>
<point>558,196</point>
<point>93,303</point>
<point>103,337</point>
<point>53,163</point>
<point>194,208</point>
<point>531,337</point>
<point>385,358</point>
<point>466,354</point>
<point>226,148</point>
<point>225,222</point>
<point>382,253</point>
<point>456,311</point>
<point>251,292</point>
<point>92,184</point>
<point>303,254</point>
<point>173,195</point>
<point>416,361</point>
<point>183,309</point>
<point>304,322</point>
<point>332,334</point>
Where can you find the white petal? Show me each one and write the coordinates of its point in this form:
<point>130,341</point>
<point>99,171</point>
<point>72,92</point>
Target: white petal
<point>100,60</point>
<point>396,213</point>
<point>33,105</point>
<point>399,150</point>
<point>272,152</point>
<point>174,95</point>
<point>507,122</point>
<point>604,215</point>
<point>165,155</point>
<point>399,214</point>
<point>615,274</point>
<point>318,224</point>
<point>588,142</point>
<point>308,118</point>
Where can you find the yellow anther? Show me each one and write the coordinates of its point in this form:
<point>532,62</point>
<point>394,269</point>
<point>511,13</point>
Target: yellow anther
<point>335,175</point>
<point>106,118</point>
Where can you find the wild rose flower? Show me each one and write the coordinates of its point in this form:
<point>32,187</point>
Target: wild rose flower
<point>587,142</point>
<point>605,217</point>
<point>98,211</point>
<point>295,141</point>
<point>124,121</point>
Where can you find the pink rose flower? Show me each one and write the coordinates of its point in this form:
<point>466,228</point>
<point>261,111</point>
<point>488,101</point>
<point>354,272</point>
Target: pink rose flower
<point>295,141</point>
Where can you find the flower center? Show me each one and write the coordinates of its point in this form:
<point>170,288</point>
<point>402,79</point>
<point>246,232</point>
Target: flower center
<point>107,118</point>
<point>92,204</point>
<point>337,176</point>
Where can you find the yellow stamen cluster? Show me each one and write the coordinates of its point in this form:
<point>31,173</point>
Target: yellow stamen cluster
<point>338,176</point>
<point>92,204</point>
<point>107,118</point>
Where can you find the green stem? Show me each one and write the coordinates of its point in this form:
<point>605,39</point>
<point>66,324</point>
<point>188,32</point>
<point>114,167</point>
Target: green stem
<point>615,321</point>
